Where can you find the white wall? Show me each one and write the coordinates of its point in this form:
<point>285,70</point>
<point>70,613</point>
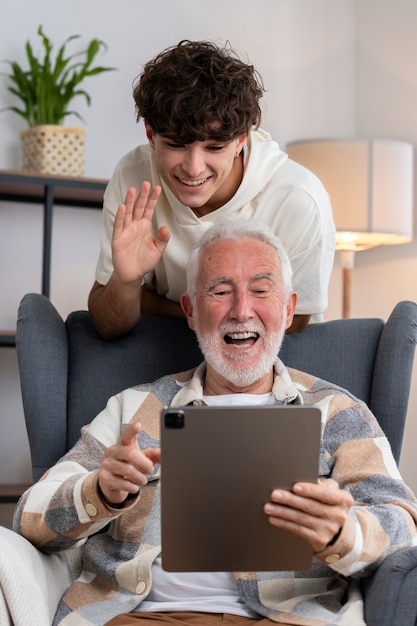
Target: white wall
<point>331,68</point>
<point>386,88</point>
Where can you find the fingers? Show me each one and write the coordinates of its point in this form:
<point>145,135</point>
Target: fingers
<point>325,491</point>
<point>318,500</point>
<point>128,459</point>
<point>153,454</point>
<point>130,435</point>
<point>130,199</point>
<point>125,468</point>
<point>143,205</point>
<point>146,200</point>
<point>124,213</point>
<point>315,511</point>
<point>135,209</point>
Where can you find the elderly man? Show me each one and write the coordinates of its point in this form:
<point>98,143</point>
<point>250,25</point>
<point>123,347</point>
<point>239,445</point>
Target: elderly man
<point>105,491</point>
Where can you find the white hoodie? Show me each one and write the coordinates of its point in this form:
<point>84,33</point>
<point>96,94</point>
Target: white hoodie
<point>274,190</point>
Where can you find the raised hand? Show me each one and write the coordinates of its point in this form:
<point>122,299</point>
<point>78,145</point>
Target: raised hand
<point>135,251</point>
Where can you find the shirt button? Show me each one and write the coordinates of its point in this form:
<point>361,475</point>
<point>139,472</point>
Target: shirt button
<point>141,588</point>
<point>91,510</point>
<point>332,558</point>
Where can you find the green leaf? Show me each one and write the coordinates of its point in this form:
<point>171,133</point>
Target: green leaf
<point>50,83</point>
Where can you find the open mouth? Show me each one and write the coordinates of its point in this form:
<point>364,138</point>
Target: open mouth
<point>242,339</point>
<point>192,183</point>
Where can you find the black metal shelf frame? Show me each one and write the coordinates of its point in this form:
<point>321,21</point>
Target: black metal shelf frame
<point>50,191</point>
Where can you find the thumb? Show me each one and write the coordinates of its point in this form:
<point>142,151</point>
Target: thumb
<point>162,237</point>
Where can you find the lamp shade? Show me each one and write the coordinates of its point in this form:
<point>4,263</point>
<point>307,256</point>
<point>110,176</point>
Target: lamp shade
<point>370,183</point>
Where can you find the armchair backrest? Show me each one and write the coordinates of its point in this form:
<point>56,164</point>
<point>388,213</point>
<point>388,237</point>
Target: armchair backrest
<point>68,372</point>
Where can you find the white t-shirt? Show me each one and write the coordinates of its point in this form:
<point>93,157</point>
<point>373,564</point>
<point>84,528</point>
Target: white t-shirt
<point>274,190</point>
<point>209,592</point>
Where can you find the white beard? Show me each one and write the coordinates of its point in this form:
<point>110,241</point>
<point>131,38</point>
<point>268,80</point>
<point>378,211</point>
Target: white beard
<point>240,375</point>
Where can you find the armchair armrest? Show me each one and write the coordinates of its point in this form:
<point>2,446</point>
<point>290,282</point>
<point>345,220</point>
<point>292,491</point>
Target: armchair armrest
<point>32,583</point>
<point>390,595</point>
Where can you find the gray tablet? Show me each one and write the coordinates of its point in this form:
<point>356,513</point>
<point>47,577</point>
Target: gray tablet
<point>219,465</point>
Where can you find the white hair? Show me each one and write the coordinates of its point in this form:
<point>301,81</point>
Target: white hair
<point>238,229</point>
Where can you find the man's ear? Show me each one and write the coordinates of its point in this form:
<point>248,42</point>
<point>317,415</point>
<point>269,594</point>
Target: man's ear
<point>291,304</point>
<point>187,307</point>
<point>150,135</point>
<point>241,140</point>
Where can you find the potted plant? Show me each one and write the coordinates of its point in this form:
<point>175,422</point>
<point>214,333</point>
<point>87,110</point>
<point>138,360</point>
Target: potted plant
<point>46,90</point>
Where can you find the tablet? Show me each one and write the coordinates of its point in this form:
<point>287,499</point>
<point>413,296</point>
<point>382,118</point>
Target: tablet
<point>218,468</point>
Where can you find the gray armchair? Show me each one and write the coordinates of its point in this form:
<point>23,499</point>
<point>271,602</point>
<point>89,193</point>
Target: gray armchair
<point>68,373</point>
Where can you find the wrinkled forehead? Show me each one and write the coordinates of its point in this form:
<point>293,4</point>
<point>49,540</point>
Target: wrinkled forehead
<point>234,258</point>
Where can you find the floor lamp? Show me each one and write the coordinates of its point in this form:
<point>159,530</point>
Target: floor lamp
<point>370,183</point>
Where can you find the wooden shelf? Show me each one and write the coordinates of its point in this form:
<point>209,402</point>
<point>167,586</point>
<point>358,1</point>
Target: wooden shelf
<point>24,187</point>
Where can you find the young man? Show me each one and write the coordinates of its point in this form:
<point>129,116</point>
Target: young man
<point>105,491</point>
<point>206,160</point>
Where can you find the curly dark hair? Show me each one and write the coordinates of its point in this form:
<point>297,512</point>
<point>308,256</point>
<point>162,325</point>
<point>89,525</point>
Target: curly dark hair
<point>197,91</point>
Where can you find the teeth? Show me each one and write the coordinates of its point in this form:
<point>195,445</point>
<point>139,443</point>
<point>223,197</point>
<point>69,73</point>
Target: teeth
<point>246,335</point>
<point>193,183</point>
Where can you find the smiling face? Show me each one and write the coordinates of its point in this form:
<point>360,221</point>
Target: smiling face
<point>240,314</point>
<point>202,175</point>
